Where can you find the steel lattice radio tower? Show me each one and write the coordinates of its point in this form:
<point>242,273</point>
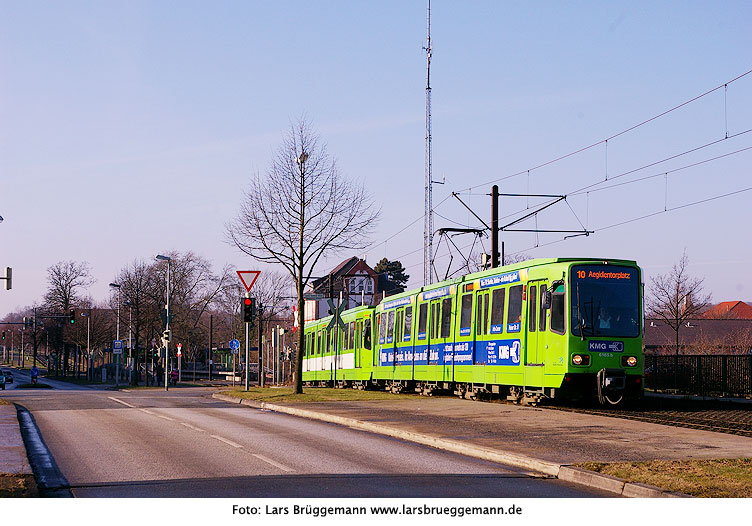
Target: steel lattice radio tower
<point>428,217</point>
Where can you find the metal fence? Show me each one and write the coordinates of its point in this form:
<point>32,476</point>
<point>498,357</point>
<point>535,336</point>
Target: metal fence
<point>718,375</point>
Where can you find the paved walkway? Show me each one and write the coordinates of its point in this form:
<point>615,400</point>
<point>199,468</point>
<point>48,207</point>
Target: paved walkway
<point>13,459</point>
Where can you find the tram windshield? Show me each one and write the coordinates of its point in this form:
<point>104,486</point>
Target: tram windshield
<point>605,301</point>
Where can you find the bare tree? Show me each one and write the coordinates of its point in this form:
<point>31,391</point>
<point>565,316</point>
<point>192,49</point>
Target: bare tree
<point>301,211</point>
<point>676,297</point>
<point>194,289</point>
<point>135,282</point>
<point>65,279</point>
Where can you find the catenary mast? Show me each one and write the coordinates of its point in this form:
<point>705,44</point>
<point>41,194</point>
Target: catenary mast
<point>428,217</point>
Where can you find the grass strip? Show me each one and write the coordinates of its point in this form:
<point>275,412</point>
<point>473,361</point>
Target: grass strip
<point>17,486</point>
<point>318,394</point>
<point>730,478</point>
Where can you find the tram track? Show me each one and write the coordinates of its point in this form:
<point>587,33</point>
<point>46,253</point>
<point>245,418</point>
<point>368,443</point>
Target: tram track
<point>704,415</point>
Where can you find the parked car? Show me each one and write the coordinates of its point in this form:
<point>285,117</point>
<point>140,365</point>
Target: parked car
<point>8,376</point>
<point>2,381</point>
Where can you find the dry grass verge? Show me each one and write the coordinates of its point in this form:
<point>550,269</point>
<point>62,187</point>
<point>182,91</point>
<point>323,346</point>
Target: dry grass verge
<point>17,486</point>
<point>700,478</point>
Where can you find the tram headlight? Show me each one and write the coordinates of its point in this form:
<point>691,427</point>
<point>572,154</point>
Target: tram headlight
<point>580,359</point>
<point>629,361</point>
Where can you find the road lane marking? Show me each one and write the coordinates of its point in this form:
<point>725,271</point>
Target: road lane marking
<point>121,402</point>
<point>164,417</point>
<point>192,427</point>
<point>228,442</point>
<point>270,461</point>
<point>146,411</point>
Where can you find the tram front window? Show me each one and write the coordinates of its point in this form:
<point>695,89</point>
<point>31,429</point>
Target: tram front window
<point>605,301</point>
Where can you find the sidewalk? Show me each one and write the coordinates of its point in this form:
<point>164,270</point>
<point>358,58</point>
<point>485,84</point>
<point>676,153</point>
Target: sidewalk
<point>13,458</point>
<point>541,440</point>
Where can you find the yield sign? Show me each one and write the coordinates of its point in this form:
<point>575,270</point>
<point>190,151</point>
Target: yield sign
<point>248,278</point>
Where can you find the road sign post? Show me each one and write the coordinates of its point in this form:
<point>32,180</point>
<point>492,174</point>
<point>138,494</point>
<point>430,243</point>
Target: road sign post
<point>248,278</point>
<point>234,346</point>
<point>180,362</point>
<point>117,351</point>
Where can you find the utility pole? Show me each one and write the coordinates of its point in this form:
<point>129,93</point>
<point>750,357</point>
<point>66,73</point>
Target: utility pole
<point>428,214</point>
<point>259,314</point>
<point>494,226</point>
<point>211,343</point>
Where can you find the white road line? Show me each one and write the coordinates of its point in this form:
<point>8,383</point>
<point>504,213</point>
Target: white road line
<point>228,442</point>
<point>270,461</point>
<point>192,427</point>
<point>164,417</point>
<point>146,411</point>
<point>121,402</point>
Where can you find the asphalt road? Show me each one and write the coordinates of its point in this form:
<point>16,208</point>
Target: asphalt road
<point>182,443</point>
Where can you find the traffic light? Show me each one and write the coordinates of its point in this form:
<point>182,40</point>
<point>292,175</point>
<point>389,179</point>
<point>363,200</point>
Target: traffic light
<point>72,316</point>
<point>249,309</point>
<point>3,335</point>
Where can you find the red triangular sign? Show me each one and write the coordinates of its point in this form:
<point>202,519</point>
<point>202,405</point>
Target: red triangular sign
<point>250,278</point>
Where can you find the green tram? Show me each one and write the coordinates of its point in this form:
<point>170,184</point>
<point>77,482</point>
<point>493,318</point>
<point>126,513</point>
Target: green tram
<point>544,328</point>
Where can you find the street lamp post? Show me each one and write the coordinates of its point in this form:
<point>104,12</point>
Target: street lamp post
<point>117,334</point>
<point>167,325</point>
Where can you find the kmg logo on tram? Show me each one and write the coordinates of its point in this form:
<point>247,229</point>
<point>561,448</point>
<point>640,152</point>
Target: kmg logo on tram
<point>605,346</point>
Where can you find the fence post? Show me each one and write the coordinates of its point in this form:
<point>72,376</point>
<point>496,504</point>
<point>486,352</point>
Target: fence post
<point>724,373</point>
<point>700,386</point>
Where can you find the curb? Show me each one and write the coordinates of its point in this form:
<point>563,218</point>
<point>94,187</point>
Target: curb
<point>561,471</point>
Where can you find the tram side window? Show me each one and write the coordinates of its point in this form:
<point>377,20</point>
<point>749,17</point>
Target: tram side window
<point>557,309</point>
<point>434,320</point>
<point>532,302</point>
<point>514,312</point>
<point>367,334</point>
<point>351,336</point>
<point>318,342</point>
<point>481,315</point>
<point>422,321</point>
<point>398,326</point>
<point>446,318</point>
<point>497,310</point>
<point>542,312</point>
<point>382,329</point>
<point>408,329</point>
<point>390,326</point>
<point>466,315</point>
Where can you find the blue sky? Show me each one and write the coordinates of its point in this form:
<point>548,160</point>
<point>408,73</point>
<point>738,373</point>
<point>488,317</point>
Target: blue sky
<point>131,128</point>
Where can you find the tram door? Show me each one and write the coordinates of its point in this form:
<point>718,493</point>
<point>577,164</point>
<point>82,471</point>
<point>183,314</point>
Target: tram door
<point>536,323</point>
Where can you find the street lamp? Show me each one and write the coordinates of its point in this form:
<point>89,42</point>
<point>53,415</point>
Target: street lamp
<point>117,331</point>
<point>167,324</point>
